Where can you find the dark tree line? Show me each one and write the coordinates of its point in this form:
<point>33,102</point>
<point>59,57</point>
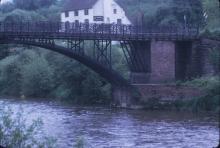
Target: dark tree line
<point>33,4</point>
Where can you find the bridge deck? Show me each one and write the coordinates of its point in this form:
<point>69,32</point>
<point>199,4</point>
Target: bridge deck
<point>94,31</point>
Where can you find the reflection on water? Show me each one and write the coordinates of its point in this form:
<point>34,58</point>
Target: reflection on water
<point>104,127</point>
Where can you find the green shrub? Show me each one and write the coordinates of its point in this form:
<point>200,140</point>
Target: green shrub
<point>215,59</point>
<point>211,100</point>
<point>14,133</point>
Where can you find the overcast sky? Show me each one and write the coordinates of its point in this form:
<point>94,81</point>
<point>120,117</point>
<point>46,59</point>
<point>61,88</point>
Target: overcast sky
<point>3,1</point>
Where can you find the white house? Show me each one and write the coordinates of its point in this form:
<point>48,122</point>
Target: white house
<point>93,11</point>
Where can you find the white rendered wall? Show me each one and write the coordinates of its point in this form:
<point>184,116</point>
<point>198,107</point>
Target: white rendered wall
<point>109,6</point>
<point>81,17</point>
<point>101,8</point>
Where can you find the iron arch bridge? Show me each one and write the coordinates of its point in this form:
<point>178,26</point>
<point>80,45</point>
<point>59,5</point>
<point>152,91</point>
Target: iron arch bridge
<point>131,38</point>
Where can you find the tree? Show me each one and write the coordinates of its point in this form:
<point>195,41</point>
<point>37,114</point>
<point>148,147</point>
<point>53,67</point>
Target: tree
<point>7,7</point>
<point>4,52</point>
<point>188,11</point>
<point>33,4</point>
<point>37,77</point>
<point>10,76</point>
<point>212,14</point>
<point>22,15</point>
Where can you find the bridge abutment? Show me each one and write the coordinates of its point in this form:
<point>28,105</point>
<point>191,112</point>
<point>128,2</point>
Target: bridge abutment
<point>139,77</point>
<point>171,61</point>
<point>162,61</point>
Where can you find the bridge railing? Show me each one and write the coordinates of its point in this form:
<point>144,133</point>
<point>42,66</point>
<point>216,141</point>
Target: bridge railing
<point>96,29</point>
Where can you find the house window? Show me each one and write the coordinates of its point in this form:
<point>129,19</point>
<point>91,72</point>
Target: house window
<point>76,13</point>
<point>86,12</point>
<point>67,14</point>
<point>115,11</point>
<point>119,21</point>
<point>86,21</point>
<point>76,22</point>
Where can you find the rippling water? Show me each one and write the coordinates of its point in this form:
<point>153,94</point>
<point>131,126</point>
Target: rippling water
<point>114,128</point>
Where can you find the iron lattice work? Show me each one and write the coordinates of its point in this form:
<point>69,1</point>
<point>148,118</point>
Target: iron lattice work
<point>102,52</point>
<point>76,45</point>
<point>135,58</point>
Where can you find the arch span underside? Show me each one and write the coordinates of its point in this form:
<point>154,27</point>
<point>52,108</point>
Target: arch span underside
<point>110,75</point>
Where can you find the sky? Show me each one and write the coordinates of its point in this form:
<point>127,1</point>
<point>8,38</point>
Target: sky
<point>3,1</point>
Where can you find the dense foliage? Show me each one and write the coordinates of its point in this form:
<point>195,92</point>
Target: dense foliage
<point>39,73</point>
<point>164,12</point>
<point>33,4</point>
<point>211,100</point>
<point>212,13</point>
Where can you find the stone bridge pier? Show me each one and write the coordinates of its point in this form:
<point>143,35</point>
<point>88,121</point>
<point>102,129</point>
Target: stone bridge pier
<point>156,63</point>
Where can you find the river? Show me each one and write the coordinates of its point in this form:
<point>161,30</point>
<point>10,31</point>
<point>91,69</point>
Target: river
<point>103,127</point>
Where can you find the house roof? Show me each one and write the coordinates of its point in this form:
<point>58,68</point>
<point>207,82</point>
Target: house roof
<point>72,5</point>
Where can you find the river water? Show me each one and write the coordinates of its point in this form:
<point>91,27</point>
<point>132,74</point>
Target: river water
<point>102,127</point>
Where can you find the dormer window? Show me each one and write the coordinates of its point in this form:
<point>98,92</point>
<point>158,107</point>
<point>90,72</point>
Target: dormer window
<point>115,11</point>
<point>67,14</point>
<point>86,12</point>
<point>76,12</point>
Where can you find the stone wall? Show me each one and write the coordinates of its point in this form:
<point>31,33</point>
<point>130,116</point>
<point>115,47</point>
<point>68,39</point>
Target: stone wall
<point>167,92</point>
<point>162,61</point>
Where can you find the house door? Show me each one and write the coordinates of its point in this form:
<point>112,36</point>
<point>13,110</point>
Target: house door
<point>119,21</point>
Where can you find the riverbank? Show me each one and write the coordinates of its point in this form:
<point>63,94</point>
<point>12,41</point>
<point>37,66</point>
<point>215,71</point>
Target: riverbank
<point>197,95</point>
<point>204,92</point>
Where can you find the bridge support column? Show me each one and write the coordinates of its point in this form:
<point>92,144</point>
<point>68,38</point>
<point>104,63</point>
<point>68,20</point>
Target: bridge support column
<point>162,61</point>
<point>184,60</point>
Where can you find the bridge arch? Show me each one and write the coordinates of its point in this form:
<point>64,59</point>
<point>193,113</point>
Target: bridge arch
<point>110,75</point>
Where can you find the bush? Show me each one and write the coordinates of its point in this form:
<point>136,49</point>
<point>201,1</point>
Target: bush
<point>22,15</point>
<point>14,133</point>
<point>211,100</point>
<point>215,59</point>
<point>37,78</point>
